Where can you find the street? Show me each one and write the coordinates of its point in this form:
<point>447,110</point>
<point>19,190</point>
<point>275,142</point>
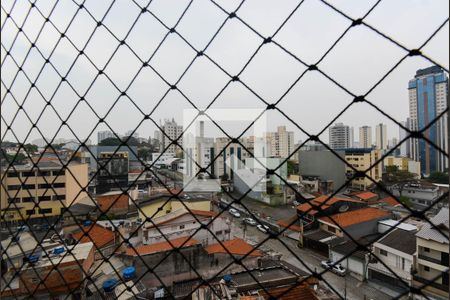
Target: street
<point>347,287</point>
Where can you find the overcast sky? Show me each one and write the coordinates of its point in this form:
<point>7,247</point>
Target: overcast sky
<point>357,62</point>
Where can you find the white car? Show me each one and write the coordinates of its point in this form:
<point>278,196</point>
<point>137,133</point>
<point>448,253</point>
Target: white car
<point>263,228</point>
<point>234,213</point>
<point>339,270</point>
<point>326,263</point>
<point>250,221</point>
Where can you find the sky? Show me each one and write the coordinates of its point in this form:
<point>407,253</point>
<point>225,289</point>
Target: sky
<point>357,62</point>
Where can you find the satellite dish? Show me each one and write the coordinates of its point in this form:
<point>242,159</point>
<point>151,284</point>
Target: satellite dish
<point>343,208</point>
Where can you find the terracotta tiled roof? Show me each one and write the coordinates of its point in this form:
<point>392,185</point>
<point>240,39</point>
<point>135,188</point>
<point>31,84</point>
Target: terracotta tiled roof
<point>300,292</point>
<point>205,213</point>
<point>236,247</point>
<point>356,216</point>
<point>162,247</point>
<point>389,201</point>
<point>366,195</point>
<point>97,234</point>
<point>306,207</point>
<point>285,223</point>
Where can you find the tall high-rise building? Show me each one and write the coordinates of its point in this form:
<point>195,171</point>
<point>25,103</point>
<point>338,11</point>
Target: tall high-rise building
<point>103,135</point>
<point>281,142</point>
<point>428,94</point>
<point>340,136</point>
<point>405,147</point>
<point>365,137</point>
<point>381,140</point>
<point>170,131</point>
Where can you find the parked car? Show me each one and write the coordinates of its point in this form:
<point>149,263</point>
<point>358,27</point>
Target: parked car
<point>250,221</point>
<point>339,270</point>
<point>23,228</point>
<point>234,213</point>
<point>263,228</point>
<point>326,263</point>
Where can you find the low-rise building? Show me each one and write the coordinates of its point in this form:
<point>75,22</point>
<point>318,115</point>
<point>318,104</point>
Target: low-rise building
<point>392,258</point>
<point>403,164</point>
<point>183,222</point>
<point>365,160</point>
<point>432,264</point>
<point>64,274</point>
<point>421,194</point>
<point>113,203</point>
<point>356,223</point>
<point>43,191</point>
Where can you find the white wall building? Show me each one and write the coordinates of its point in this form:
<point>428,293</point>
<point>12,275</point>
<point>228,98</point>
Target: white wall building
<point>365,137</point>
<point>340,136</point>
<point>281,142</point>
<point>170,131</point>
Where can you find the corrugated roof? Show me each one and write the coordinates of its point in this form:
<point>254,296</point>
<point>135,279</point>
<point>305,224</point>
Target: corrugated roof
<point>440,220</point>
<point>355,216</point>
<point>236,247</point>
<point>162,247</point>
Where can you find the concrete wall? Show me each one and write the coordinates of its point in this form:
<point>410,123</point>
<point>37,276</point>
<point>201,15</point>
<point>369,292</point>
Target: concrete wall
<point>325,164</point>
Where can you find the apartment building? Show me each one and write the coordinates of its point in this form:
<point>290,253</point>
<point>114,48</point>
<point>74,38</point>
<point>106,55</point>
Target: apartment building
<point>43,191</point>
<point>362,159</point>
<point>432,264</point>
<point>170,131</point>
<point>281,142</point>
<point>365,137</point>
<point>403,164</point>
<point>340,136</point>
<point>230,156</point>
<point>381,139</point>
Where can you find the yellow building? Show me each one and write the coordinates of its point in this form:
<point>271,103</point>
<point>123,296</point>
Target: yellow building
<point>160,205</point>
<point>362,159</point>
<point>403,164</point>
<point>28,192</point>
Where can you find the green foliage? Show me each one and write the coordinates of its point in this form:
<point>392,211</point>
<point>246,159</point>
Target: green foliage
<point>144,153</point>
<point>292,167</point>
<point>30,148</point>
<point>112,141</point>
<point>438,177</point>
<point>15,159</point>
<point>405,200</point>
<point>391,169</point>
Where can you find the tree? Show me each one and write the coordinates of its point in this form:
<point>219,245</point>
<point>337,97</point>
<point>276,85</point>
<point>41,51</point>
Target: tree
<point>405,201</point>
<point>112,141</point>
<point>15,159</point>
<point>391,169</point>
<point>30,148</point>
<point>144,153</point>
<point>292,167</point>
<point>438,177</point>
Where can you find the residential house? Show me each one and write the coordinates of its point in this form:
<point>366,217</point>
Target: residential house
<point>432,265</point>
<point>392,258</point>
<point>183,222</point>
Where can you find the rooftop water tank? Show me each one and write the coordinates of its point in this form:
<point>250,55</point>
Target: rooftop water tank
<point>87,223</point>
<point>33,258</point>
<point>109,285</point>
<point>227,278</point>
<point>58,250</point>
<point>129,273</point>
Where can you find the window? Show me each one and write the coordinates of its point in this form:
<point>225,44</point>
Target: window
<point>28,174</point>
<point>425,249</point>
<point>13,174</point>
<point>45,198</point>
<point>383,252</point>
<point>426,268</point>
<point>28,199</point>
<point>14,200</point>
<point>181,226</point>
<point>59,185</point>
<point>59,197</point>
<point>13,187</point>
<point>28,186</point>
<point>59,172</point>
<point>45,210</point>
<point>44,173</point>
<point>403,263</point>
<point>45,186</point>
<point>29,212</point>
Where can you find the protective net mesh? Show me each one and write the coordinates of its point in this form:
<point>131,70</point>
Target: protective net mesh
<point>49,95</point>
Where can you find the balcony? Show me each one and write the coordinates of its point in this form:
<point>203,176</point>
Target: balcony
<point>427,282</point>
<point>430,259</point>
